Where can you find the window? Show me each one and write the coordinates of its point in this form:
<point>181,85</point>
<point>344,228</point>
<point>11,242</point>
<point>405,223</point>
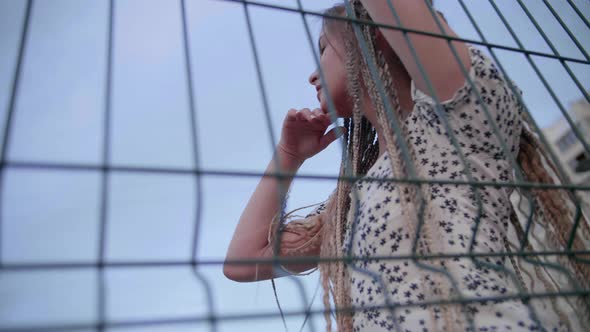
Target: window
<point>581,163</point>
<point>566,141</point>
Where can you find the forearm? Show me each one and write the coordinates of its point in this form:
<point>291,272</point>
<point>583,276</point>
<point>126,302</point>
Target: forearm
<point>250,239</point>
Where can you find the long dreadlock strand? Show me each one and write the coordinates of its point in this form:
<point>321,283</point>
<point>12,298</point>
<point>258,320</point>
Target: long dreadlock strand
<point>375,97</point>
<point>553,209</point>
<point>361,153</point>
<point>395,156</point>
<point>341,280</point>
<point>410,196</point>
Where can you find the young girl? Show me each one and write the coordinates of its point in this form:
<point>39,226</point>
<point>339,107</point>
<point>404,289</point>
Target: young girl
<point>431,122</point>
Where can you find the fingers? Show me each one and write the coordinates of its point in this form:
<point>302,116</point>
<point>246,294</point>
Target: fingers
<point>315,117</point>
<point>304,115</point>
<point>291,114</point>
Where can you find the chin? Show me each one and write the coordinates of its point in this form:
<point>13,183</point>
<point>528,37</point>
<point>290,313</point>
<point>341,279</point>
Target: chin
<point>338,113</point>
<point>326,109</point>
<point>324,106</point>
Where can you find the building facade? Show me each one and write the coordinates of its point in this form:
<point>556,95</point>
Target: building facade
<point>573,157</point>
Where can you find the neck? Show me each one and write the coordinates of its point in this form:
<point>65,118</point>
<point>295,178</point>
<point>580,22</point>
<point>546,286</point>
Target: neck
<point>402,82</point>
<point>406,105</point>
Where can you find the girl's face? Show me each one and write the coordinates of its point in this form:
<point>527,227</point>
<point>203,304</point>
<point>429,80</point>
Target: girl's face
<point>332,65</point>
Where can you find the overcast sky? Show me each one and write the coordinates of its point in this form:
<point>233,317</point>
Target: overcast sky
<point>53,215</point>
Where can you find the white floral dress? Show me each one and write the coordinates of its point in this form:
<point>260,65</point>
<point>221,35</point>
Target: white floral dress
<point>379,230</point>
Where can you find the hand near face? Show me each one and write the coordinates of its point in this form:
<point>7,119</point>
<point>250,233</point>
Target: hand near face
<point>303,135</point>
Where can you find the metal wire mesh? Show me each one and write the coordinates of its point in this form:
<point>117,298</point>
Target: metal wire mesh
<point>106,168</point>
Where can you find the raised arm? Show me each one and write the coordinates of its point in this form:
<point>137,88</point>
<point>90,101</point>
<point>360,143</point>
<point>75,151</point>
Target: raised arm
<point>302,137</point>
<point>435,55</point>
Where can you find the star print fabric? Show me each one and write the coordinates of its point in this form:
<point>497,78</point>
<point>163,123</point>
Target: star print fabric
<point>453,213</point>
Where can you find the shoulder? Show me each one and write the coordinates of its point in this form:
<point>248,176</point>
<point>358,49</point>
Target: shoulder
<point>481,84</point>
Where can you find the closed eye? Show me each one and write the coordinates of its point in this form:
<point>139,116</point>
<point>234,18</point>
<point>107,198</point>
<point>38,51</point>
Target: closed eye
<point>321,46</point>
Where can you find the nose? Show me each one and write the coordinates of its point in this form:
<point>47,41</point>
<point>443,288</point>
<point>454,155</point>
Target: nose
<point>314,77</point>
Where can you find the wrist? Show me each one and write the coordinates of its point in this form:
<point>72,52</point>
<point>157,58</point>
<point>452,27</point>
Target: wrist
<point>288,160</point>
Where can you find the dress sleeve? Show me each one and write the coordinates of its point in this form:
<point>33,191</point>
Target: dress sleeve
<point>487,99</point>
<point>482,73</point>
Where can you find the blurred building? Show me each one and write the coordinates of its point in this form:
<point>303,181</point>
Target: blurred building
<point>574,159</point>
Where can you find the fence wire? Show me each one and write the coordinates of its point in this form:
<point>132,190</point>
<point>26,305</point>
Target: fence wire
<point>213,318</point>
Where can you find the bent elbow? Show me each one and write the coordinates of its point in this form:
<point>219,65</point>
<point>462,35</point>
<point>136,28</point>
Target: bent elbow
<point>237,272</point>
<point>229,272</point>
